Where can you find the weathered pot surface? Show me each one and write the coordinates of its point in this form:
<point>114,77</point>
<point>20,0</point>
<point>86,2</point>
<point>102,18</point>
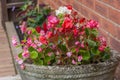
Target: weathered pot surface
<point>101,71</point>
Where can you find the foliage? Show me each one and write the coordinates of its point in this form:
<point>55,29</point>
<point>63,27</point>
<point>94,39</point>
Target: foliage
<point>62,39</point>
<point>33,14</point>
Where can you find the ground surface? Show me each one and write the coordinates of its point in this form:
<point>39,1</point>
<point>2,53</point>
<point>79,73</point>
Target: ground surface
<point>6,64</point>
<point>11,78</point>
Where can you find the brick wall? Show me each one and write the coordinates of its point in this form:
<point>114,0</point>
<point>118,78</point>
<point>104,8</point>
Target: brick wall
<point>106,12</point>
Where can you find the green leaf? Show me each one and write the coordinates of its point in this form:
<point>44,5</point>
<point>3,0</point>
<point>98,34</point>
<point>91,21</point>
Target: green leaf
<point>46,11</point>
<point>20,55</point>
<point>105,56</point>
<point>30,49</point>
<point>86,55</point>
<point>46,60</point>
<point>38,62</point>
<point>91,43</point>
<point>33,54</point>
<point>82,51</point>
<point>73,50</point>
<point>107,49</point>
<point>43,46</point>
<point>87,31</point>
<point>31,20</point>
<point>62,47</point>
<point>48,50</point>
<point>95,51</point>
<point>40,55</point>
<point>94,32</point>
<point>53,56</point>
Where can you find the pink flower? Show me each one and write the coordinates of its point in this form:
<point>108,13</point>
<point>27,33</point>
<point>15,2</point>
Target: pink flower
<point>77,49</point>
<point>29,32</point>
<point>101,48</point>
<point>25,47</point>
<point>74,62</point>
<point>18,60</point>
<point>14,41</point>
<point>50,54</point>
<point>77,43</point>
<point>57,53</point>
<point>80,58</point>
<point>34,45</point>
<point>23,27</point>
<point>82,45</point>
<point>42,33</point>
<point>53,19</point>
<point>37,43</point>
<point>26,54</point>
<point>103,43</point>
<point>92,24</point>
<point>39,49</point>
<point>29,41</point>
<point>43,40</point>
<point>58,61</point>
<point>102,39</point>
<point>22,66</point>
<point>69,54</point>
<point>53,47</point>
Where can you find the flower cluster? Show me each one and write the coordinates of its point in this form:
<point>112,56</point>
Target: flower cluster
<point>63,39</point>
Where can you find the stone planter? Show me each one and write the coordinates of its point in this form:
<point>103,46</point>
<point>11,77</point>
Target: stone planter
<point>100,71</point>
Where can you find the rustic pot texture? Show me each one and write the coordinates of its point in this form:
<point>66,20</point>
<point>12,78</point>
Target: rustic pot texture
<point>101,71</point>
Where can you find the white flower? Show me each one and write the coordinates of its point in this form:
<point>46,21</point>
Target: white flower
<point>63,10</point>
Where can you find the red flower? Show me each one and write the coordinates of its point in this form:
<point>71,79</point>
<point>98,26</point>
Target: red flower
<point>38,29</point>
<point>68,23</point>
<point>69,7</point>
<point>75,13</point>
<point>82,20</point>
<point>43,40</point>
<point>75,32</point>
<point>49,34</point>
<point>45,27</point>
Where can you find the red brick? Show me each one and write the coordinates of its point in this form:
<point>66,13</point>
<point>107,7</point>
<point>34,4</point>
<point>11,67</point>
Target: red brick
<point>49,2</point>
<point>114,15</point>
<point>59,3</point>
<point>67,2</point>
<point>77,6</point>
<point>115,44</point>
<point>88,3</point>
<point>95,16</point>
<point>101,9</point>
<point>108,26</point>
<point>117,4</point>
<point>113,3</point>
<point>85,12</point>
<point>118,32</point>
